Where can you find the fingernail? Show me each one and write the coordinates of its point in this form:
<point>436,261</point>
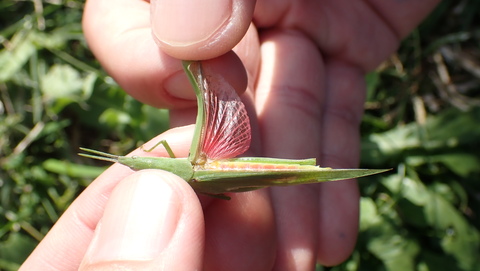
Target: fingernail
<point>186,22</point>
<point>139,220</point>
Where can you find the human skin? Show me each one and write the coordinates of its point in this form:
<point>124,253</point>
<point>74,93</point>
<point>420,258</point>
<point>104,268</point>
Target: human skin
<point>302,63</point>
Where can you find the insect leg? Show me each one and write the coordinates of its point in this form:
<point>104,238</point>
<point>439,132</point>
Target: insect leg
<point>165,145</point>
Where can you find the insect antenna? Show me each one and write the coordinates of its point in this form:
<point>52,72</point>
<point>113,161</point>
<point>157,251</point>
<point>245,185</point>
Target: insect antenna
<point>99,155</point>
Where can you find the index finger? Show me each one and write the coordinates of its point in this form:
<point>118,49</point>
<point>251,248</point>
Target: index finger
<point>119,33</point>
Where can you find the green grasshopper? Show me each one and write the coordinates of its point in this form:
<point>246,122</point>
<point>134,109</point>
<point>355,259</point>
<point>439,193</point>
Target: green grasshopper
<point>222,132</point>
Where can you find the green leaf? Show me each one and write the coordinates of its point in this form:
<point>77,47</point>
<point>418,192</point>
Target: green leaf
<point>88,85</point>
<point>440,134</point>
<point>16,249</point>
<point>52,40</point>
<point>62,81</point>
<point>453,232</point>
<point>384,239</point>
<point>373,80</point>
<point>13,59</point>
<point>72,169</point>
<point>462,164</point>
<point>457,237</point>
<point>113,117</point>
<point>397,252</point>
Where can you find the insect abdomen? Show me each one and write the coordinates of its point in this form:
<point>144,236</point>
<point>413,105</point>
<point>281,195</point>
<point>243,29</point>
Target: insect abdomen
<point>248,166</point>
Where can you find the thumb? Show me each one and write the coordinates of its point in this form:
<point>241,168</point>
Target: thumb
<point>197,30</point>
<point>151,217</point>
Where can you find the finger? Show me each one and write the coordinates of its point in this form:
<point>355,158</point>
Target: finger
<point>403,16</point>
<point>289,95</point>
<point>248,50</point>
<point>200,30</point>
<point>340,200</point>
<point>364,33</point>
<point>240,233</point>
<point>151,217</point>
<point>64,246</point>
<point>119,34</point>
<point>127,51</point>
<point>289,99</point>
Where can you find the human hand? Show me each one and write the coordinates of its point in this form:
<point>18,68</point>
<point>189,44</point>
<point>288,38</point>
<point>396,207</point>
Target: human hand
<point>305,62</point>
<point>140,220</point>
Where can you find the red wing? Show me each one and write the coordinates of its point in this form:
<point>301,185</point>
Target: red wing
<point>227,132</point>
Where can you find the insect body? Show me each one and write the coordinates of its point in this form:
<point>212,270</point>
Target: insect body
<point>223,132</point>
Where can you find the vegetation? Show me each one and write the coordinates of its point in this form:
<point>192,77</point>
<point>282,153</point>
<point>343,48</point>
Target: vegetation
<point>422,116</point>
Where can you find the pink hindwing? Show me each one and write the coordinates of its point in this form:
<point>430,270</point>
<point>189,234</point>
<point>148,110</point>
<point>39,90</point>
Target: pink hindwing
<point>227,132</point>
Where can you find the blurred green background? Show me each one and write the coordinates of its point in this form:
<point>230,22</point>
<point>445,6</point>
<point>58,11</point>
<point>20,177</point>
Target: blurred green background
<point>422,118</point>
